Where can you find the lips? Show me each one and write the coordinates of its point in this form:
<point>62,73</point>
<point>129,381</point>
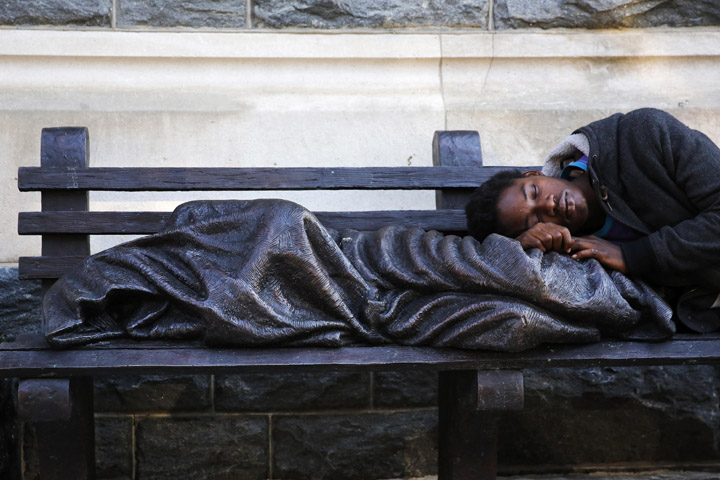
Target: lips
<point>567,203</point>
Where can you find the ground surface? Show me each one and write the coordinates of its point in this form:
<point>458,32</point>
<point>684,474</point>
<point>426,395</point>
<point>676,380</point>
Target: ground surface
<point>659,475</point>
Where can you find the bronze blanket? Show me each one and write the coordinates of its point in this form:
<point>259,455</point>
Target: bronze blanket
<point>267,273</point>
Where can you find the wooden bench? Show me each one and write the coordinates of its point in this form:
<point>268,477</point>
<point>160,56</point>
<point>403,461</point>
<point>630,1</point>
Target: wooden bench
<point>55,390</point>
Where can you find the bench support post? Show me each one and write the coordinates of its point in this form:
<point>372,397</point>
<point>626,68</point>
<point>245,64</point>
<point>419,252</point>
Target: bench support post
<point>61,412</point>
<point>455,148</point>
<point>468,406</point>
<point>62,409</point>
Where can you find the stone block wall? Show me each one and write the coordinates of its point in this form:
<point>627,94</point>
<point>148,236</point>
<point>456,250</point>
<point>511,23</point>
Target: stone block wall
<point>364,14</point>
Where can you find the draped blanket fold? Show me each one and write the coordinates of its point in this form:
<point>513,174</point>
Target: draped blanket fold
<point>267,273</point>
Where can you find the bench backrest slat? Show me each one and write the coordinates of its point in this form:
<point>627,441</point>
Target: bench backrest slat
<point>106,223</point>
<point>46,267</point>
<point>112,223</point>
<point>244,179</point>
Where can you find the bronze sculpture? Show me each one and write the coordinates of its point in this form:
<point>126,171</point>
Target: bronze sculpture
<point>266,272</point>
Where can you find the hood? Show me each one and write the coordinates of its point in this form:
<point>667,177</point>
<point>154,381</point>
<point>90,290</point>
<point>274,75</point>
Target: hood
<point>566,152</point>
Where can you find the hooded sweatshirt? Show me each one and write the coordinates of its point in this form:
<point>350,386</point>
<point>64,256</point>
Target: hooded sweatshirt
<point>661,178</point>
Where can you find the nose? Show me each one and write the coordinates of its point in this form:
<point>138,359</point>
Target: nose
<point>549,206</point>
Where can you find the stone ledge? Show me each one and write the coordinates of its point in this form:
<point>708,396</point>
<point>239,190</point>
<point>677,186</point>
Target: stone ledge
<point>254,45</point>
<point>215,45</point>
<point>592,44</point>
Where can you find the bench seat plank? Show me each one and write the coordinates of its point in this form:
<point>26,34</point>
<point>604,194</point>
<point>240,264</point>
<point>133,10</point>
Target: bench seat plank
<point>29,362</point>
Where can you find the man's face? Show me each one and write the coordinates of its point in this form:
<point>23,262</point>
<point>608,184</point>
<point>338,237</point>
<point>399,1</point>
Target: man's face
<point>537,198</point>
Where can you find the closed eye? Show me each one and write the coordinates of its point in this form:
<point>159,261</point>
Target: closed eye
<point>533,194</point>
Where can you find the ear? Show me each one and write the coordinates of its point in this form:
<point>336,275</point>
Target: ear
<point>533,173</point>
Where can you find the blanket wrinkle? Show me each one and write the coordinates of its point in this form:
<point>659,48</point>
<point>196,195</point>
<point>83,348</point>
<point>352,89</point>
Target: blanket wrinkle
<point>267,273</point>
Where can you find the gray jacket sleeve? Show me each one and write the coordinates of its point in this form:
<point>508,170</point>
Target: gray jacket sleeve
<point>682,169</point>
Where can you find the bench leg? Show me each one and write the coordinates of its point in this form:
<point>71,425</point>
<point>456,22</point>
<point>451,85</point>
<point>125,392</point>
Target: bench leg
<point>62,413</point>
<point>469,403</point>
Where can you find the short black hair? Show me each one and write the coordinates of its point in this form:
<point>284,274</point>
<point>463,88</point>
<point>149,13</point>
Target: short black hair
<point>481,211</point>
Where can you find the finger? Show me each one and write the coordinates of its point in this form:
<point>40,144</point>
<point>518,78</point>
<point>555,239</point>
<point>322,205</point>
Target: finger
<point>557,241</point>
<point>550,235</point>
<point>562,239</point>
<point>582,243</point>
<point>534,242</point>
<point>538,238</point>
<point>528,241</point>
<point>567,240</point>
<point>587,253</point>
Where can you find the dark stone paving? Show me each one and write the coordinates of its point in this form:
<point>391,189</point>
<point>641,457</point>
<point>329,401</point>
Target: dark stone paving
<point>113,447</point>
<point>658,475</point>
<point>354,446</point>
<point>654,415</point>
<point>665,475</point>
<point>202,448</point>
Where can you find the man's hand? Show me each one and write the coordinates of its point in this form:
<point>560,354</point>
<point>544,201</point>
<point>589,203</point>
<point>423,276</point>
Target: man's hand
<point>550,237</point>
<point>603,251</point>
<point>546,237</point>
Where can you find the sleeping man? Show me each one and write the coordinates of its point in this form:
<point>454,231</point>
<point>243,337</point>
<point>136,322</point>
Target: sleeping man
<point>639,192</point>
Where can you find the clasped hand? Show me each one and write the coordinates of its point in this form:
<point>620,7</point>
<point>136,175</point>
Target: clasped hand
<point>552,237</point>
